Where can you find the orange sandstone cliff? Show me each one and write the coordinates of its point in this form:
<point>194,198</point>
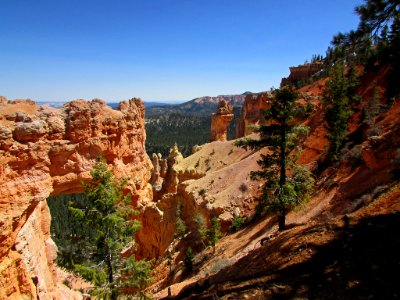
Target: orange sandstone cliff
<point>46,151</point>
<point>220,121</point>
<point>251,114</point>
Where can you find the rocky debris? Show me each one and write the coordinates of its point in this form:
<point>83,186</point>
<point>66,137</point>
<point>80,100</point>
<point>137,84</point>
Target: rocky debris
<point>251,114</point>
<point>46,151</point>
<point>220,121</point>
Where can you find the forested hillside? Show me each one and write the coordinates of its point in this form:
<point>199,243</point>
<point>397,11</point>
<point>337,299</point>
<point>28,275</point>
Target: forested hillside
<point>67,232</point>
<point>168,125</point>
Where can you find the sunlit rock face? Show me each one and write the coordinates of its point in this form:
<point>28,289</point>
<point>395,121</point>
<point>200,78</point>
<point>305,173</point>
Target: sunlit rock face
<point>251,113</point>
<point>220,121</point>
<point>46,151</point>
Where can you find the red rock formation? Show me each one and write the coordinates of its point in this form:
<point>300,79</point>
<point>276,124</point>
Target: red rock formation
<point>164,178</point>
<point>46,151</point>
<point>220,121</point>
<point>302,72</point>
<point>251,113</point>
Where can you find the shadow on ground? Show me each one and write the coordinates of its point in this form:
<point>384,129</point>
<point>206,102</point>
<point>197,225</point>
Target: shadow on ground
<point>355,261</point>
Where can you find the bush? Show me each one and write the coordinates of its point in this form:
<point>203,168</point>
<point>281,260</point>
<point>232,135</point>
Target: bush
<point>202,192</point>
<point>180,227</point>
<point>214,233</point>
<point>180,224</point>
<point>188,260</point>
<point>237,223</point>
<point>244,187</point>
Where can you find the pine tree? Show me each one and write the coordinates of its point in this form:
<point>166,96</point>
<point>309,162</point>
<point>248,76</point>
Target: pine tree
<point>338,112</point>
<point>376,14</point>
<point>179,224</point>
<point>112,219</point>
<point>284,188</point>
<point>214,233</point>
<point>188,260</point>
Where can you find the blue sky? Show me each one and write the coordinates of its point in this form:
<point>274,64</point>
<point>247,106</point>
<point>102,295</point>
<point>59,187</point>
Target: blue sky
<point>159,49</point>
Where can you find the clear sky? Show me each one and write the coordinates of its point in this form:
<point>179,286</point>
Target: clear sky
<point>60,50</point>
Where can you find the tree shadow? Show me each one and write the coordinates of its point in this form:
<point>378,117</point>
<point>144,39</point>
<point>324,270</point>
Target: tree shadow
<point>362,261</point>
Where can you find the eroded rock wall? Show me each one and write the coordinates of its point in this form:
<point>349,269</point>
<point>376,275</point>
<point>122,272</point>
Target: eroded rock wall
<point>220,121</point>
<point>251,114</point>
<point>46,151</point>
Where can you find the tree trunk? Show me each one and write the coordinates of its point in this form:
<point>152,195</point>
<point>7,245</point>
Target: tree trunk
<point>113,293</point>
<point>282,219</point>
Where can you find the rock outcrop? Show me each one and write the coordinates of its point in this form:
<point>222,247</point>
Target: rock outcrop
<point>302,72</point>
<point>220,121</point>
<point>251,114</point>
<point>158,218</point>
<point>214,181</point>
<point>164,178</point>
<point>46,151</point>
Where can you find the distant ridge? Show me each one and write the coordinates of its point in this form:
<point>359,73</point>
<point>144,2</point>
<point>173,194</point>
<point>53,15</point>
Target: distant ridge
<point>203,106</point>
<point>187,123</point>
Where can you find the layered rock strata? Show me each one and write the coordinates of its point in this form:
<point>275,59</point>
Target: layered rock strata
<point>46,151</point>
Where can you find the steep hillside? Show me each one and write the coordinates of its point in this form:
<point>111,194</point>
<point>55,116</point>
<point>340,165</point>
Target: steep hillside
<point>342,244</point>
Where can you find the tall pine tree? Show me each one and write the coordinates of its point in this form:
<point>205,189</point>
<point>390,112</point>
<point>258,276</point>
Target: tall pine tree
<point>339,92</point>
<point>112,219</point>
<point>286,184</point>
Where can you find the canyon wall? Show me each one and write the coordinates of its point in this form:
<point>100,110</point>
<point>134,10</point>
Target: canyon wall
<point>251,114</point>
<point>46,151</point>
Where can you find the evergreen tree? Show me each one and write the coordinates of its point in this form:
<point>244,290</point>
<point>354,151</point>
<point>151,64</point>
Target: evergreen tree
<point>112,219</point>
<point>68,233</point>
<point>179,224</point>
<point>376,14</point>
<point>214,233</point>
<point>370,110</point>
<point>393,89</point>
<point>188,260</point>
<point>286,185</point>
<point>338,112</point>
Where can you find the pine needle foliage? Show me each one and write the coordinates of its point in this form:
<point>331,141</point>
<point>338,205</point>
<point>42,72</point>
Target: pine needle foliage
<point>285,184</point>
<point>112,219</point>
<point>214,233</point>
<point>339,94</point>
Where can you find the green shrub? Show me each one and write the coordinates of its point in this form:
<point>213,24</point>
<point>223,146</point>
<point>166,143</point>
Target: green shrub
<point>188,260</point>
<point>237,223</point>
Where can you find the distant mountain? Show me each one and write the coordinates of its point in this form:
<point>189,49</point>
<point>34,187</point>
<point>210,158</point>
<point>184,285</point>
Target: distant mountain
<point>203,106</point>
